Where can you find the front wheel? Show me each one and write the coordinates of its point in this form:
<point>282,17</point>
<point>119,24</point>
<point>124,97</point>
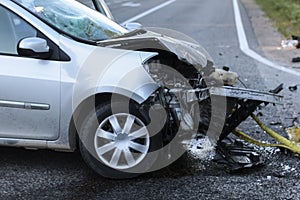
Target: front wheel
<point>115,141</point>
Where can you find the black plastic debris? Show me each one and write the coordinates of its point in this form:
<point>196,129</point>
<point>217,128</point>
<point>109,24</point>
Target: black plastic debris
<point>278,89</point>
<point>225,68</point>
<point>236,156</point>
<point>293,87</point>
<point>294,42</point>
<point>260,114</point>
<point>274,123</point>
<point>294,37</point>
<point>296,59</point>
<point>295,118</point>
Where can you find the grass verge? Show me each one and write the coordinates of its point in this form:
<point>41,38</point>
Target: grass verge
<point>284,13</point>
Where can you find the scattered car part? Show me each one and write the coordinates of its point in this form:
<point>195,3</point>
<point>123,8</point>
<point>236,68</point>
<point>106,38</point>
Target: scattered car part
<point>236,156</point>
<point>293,88</point>
<point>296,59</point>
<point>295,37</point>
<point>294,133</point>
<point>274,123</point>
<point>289,43</point>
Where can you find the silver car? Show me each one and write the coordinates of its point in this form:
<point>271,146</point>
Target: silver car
<point>129,100</point>
<point>67,81</point>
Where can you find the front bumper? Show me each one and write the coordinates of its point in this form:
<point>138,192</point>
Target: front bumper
<point>232,92</point>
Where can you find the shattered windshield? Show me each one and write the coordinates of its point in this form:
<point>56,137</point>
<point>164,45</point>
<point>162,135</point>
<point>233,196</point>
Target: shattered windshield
<point>74,19</point>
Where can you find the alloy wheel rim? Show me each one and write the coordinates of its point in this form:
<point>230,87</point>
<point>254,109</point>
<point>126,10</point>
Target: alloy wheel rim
<point>122,141</point>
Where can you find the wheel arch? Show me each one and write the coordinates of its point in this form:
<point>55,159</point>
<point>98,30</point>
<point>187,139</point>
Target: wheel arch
<point>80,111</point>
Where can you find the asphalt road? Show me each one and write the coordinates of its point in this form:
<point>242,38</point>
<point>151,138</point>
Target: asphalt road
<point>46,174</point>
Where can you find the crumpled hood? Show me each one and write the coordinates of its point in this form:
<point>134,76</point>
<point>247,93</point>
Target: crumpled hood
<point>140,39</point>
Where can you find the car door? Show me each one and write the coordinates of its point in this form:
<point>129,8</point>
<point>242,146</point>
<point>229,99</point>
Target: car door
<point>29,87</point>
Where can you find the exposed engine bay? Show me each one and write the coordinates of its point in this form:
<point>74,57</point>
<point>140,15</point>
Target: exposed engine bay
<point>208,104</point>
<point>189,99</point>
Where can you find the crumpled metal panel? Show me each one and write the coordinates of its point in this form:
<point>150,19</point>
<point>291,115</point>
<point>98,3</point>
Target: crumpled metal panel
<point>186,51</point>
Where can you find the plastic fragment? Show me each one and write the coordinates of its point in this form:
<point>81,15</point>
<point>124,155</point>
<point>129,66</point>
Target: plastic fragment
<point>289,43</point>
<point>296,59</point>
<point>275,123</point>
<point>293,88</point>
<point>294,133</point>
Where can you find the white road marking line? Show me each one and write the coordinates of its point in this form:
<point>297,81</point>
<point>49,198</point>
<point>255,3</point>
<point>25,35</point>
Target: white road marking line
<point>241,35</point>
<point>148,12</point>
<point>245,47</point>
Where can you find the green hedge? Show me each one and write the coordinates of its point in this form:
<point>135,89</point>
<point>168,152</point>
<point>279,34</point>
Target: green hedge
<point>284,13</point>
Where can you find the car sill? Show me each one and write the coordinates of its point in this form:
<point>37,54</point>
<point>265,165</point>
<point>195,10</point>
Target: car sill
<point>34,144</point>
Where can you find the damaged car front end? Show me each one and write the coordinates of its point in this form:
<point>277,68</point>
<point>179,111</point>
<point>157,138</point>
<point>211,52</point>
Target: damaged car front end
<point>129,99</point>
<point>186,69</point>
<point>196,97</point>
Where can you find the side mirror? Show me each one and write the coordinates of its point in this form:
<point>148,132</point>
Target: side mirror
<point>132,26</point>
<point>34,47</point>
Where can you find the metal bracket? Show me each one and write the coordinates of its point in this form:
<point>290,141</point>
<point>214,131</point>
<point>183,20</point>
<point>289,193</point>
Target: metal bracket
<point>233,92</point>
<point>246,94</point>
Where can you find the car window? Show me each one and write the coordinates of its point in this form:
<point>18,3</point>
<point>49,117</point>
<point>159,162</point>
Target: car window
<point>74,19</point>
<point>13,29</point>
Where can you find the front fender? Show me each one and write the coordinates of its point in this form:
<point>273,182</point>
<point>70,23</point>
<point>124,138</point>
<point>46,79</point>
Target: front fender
<point>121,72</point>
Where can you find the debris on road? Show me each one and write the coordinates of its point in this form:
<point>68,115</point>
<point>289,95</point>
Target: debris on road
<point>273,123</point>
<point>294,133</point>
<point>289,43</point>
<point>294,37</point>
<point>201,148</point>
<point>287,168</point>
<point>236,156</point>
<point>294,42</point>
<point>296,59</point>
<point>293,87</point>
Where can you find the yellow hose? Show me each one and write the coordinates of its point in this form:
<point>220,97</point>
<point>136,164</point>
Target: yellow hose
<point>285,143</point>
<point>249,139</point>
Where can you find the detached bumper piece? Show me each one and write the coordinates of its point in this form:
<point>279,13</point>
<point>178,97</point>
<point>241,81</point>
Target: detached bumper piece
<point>241,103</point>
<point>236,157</point>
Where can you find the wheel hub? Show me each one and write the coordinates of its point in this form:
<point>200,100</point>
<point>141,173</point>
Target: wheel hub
<point>122,141</point>
<point>121,137</point>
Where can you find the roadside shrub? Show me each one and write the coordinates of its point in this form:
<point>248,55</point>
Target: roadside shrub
<point>284,13</point>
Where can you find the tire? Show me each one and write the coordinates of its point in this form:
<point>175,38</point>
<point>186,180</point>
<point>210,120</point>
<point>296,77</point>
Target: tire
<point>117,144</point>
